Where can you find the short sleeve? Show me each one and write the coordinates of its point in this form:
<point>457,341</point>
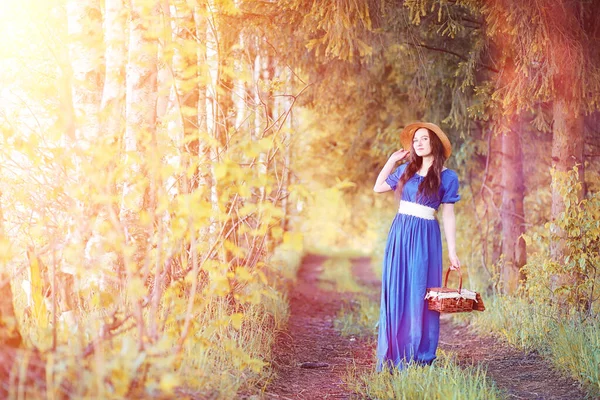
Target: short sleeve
<point>450,187</point>
<point>394,177</point>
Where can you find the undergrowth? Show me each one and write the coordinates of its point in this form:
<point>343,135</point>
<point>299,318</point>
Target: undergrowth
<point>570,342</point>
<point>443,380</point>
<point>228,350</point>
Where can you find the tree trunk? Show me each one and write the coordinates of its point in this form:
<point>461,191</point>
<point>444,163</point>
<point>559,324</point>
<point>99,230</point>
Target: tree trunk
<point>141,94</point>
<point>185,68</point>
<point>221,37</point>
<point>203,156</point>
<point>111,126</point>
<point>512,213</point>
<point>567,131</point>
<point>139,186</point>
<point>86,54</point>
<point>567,151</point>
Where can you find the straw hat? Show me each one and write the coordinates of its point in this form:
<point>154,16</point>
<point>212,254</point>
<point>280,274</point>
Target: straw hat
<point>406,136</point>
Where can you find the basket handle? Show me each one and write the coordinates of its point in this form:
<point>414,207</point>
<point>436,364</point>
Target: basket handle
<point>459,279</point>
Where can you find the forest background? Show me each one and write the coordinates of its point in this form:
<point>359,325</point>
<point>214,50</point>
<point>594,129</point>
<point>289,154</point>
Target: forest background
<point>164,165</point>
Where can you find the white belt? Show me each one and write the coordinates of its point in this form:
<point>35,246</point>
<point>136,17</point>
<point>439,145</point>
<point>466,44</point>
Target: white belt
<point>416,210</point>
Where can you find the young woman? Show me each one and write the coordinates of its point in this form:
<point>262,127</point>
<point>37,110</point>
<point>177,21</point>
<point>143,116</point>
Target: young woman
<point>408,331</point>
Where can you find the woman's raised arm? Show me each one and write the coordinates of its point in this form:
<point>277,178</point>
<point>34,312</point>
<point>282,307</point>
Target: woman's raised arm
<point>380,184</point>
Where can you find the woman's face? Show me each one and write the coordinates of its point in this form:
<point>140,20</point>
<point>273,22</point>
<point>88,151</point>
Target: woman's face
<point>422,143</point>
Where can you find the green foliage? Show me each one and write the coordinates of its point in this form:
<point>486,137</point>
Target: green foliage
<point>577,231</point>
<point>445,379</point>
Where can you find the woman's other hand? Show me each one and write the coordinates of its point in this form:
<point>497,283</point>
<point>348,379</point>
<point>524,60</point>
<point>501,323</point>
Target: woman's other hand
<point>454,262</point>
<point>399,155</point>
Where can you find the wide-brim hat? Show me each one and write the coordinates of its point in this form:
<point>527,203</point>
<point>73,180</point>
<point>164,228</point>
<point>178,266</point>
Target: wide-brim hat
<point>406,136</point>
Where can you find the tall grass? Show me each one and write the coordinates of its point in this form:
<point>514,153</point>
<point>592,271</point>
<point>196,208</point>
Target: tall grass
<point>443,380</point>
<point>570,342</point>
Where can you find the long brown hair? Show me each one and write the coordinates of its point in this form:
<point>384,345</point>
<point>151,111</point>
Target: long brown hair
<point>430,186</point>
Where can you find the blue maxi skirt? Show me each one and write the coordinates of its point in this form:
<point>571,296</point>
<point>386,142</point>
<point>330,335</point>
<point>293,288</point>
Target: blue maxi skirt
<point>408,331</point>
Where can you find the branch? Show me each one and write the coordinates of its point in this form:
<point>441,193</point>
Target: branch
<point>106,332</point>
<point>460,56</point>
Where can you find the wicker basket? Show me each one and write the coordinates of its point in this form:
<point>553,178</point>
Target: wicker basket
<point>452,304</point>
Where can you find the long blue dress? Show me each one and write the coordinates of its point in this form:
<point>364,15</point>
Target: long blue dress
<point>412,262</point>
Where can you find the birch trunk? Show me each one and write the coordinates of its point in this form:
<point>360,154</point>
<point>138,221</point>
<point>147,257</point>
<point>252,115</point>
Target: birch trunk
<point>185,68</point>
<point>112,109</point>
<point>140,109</point>
<point>139,186</point>
<point>221,114</point>
<point>212,62</point>
<point>86,55</point>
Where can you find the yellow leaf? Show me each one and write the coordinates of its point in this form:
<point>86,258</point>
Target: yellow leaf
<point>236,320</point>
<point>244,191</point>
<point>220,171</point>
<point>277,232</point>
<point>168,382</point>
<point>247,209</point>
<point>235,250</point>
<point>145,218</point>
<point>293,240</point>
<point>220,285</point>
<point>136,289</point>
<point>243,274</point>
<point>265,144</point>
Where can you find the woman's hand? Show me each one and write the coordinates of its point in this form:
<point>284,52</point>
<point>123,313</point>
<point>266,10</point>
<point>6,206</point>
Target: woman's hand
<point>454,262</point>
<point>399,155</point>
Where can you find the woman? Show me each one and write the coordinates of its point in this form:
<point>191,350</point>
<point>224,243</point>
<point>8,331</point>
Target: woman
<point>408,331</point>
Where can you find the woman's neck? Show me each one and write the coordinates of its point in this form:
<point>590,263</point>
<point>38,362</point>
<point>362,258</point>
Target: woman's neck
<point>427,162</point>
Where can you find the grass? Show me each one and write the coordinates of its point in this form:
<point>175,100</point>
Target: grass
<point>575,349</point>
<point>337,276</point>
<point>358,318</point>
<point>443,380</point>
<point>571,343</point>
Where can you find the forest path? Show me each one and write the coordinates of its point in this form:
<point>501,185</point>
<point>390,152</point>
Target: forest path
<point>312,338</point>
<point>312,357</point>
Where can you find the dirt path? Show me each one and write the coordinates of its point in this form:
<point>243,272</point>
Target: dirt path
<point>312,356</point>
<point>522,375</point>
<point>311,338</point>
